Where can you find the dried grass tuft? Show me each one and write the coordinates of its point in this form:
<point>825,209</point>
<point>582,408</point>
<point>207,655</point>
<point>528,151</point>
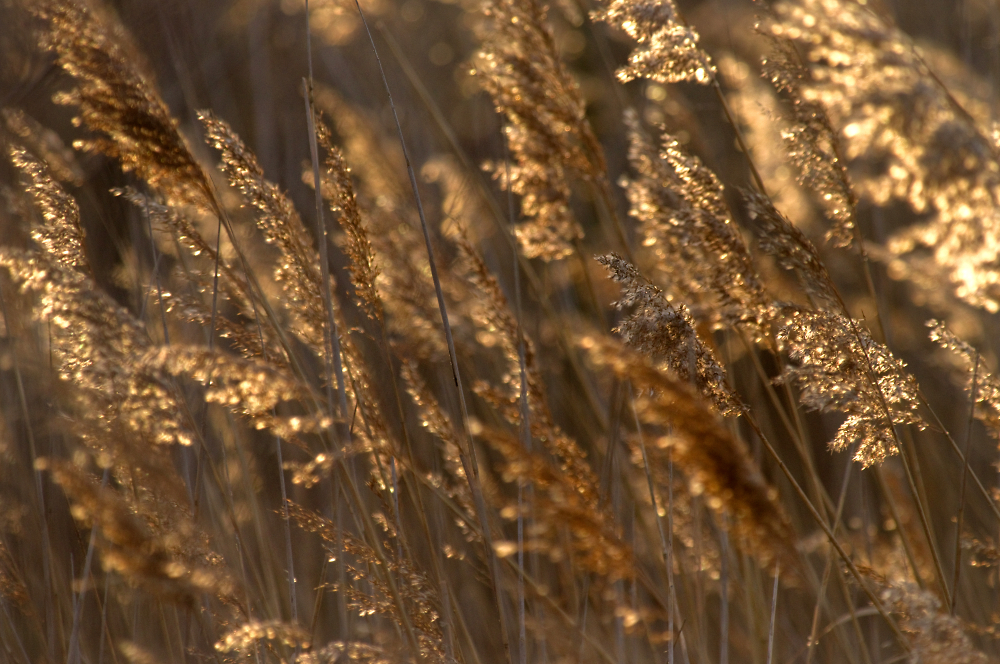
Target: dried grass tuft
<point>547,132</point>
<point>840,368</point>
<point>119,101</point>
<point>716,464</point>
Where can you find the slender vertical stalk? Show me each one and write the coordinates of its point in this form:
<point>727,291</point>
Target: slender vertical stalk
<point>469,460</point>
<point>774,613</point>
<point>79,598</point>
<point>723,597</point>
<point>965,477</point>
<point>524,426</point>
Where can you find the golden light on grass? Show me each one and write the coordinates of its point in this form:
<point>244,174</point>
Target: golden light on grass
<point>527,379</point>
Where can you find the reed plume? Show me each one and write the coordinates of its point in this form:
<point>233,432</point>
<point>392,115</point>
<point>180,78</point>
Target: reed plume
<point>244,639</point>
<point>193,302</point>
<point>547,133</point>
<point>390,225</point>
<point>296,269</point>
<point>94,339</point>
<point>559,504</point>
<point>60,236</point>
<point>812,140</point>
<point>668,49</point>
<point>907,136</point>
<point>251,389</point>
<point>716,464</point>
<point>661,491</point>
<point>934,635</point>
<point>667,335</point>
<point>976,379</point>
<point>683,216</point>
<point>793,251</point>
<point>493,315</point>
<point>45,143</point>
<point>763,122</point>
<point>455,483</point>
<point>164,560</point>
<point>840,368</point>
<point>364,265</point>
<point>118,101</point>
<point>339,651</point>
<point>12,586</point>
<point>418,598</point>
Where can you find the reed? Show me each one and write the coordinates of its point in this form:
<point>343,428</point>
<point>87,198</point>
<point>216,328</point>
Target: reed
<point>606,338</point>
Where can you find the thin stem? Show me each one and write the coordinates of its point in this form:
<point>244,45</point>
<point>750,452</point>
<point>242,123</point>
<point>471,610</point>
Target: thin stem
<point>468,456</point>
<point>962,457</point>
<point>774,611</point>
<point>498,218</point>
<point>965,477</point>
<point>852,568</point>
<point>524,426</point>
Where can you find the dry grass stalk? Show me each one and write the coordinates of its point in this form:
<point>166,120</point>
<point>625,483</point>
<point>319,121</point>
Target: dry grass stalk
<point>243,336</point>
<point>549,138</point>
<point>717,464</point>
<point>840,368</point>
<point>165,562</point>
<point>493,318</point>
<point>907,135</point>
<point>462,205</point>
<point>668,48</point>
<point>418,597</point>
<point>668,336</point>
<point>117,100</point>
<point>682,215</point>
<point>176,231</point>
